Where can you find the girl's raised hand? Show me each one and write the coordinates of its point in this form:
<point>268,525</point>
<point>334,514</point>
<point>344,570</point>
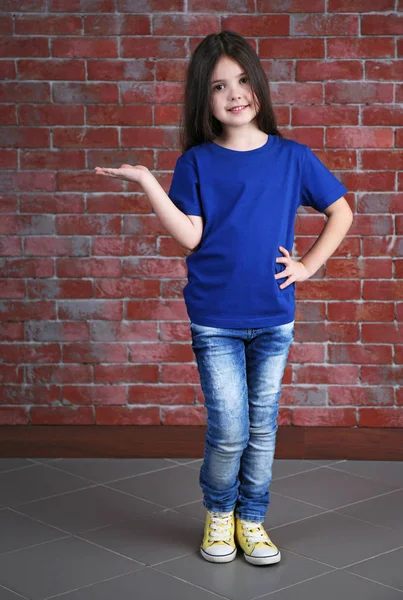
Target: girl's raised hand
<point>125,172</point>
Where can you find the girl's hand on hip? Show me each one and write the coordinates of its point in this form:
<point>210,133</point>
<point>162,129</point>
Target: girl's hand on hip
<point>295,270</point>
<point>125,172</point>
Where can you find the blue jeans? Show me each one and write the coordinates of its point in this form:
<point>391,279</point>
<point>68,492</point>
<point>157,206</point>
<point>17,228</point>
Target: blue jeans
<point>241,371</point>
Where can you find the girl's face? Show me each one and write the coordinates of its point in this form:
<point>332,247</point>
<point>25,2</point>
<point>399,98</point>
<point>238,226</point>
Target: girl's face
<point>230,87</point>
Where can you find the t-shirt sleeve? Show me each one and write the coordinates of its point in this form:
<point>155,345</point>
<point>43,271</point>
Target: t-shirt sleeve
<point>185,190</point>
<point>319,187</point>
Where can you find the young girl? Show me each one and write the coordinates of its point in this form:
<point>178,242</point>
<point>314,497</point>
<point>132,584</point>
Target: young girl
<point>232,205</point>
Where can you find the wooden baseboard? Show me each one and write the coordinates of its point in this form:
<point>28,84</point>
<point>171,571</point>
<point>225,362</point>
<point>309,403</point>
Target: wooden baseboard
<point>174,441</point>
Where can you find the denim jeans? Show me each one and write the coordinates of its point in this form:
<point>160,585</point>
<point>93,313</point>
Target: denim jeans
<point>241,371</point>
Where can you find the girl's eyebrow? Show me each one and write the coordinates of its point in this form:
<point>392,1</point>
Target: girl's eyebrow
<point>217,80</point>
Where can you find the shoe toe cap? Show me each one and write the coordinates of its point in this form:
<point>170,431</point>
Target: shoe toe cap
<point>219,550</point>
<point>264,551</point>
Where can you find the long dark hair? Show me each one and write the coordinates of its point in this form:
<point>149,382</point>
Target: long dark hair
<point>198,124</point>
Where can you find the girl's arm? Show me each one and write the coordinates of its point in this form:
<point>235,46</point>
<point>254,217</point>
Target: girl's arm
<point>340,218</point>
<point>179,225</point>
<point>174,220</point>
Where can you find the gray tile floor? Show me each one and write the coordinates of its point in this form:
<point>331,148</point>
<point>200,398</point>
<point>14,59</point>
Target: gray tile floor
<point>130,529</point>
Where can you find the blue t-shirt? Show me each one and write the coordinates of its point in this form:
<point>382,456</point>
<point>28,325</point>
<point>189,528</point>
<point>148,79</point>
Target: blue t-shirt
<point>249,200</point>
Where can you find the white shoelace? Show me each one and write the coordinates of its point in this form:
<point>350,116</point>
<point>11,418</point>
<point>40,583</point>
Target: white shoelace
<point>255,536</point>
<point>220,527</point>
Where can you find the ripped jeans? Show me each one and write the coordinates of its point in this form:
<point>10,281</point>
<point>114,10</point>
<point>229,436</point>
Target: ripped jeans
<point>241,371</point>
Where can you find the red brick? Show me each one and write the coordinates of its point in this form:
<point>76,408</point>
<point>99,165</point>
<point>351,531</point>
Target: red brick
<point>381,417</point>
<point>13,415</point>
<point>30,353</point>
<point>8,159</point>
<point>126,288</point>
<point>94,353</point>
<point>383,290</point>
<point>48,25</point>
<point>296,93</point>
<point>85,93</point>
<point>370,181</point>
<point>82,6</point>
<point>127,373</point>
<point>19,46</point>
<point>30,394</point>
<point>121,70</point>
<point>382,160</point>
<point>51,69</point>
<point>259,25</point>
<point>358,312</point>
<point>388,333</point>
<point>48,114</point>
<point>153,47</point>
<point>342,25</point>
<point>87,137</point>
<point>87,181</point>
<point>84,310</point>
<point>26,267</point>
<point>325,115</point>
<point>311,70</point>
<point>273,6</point>
<point>187,24</point>
<point>155,309</point>
<point>60,288</point>
<point>363,268</point>
<point>118,24</point>
<point>26,310</point>
<point>120,115</point>
<point>93,395</point>
<point>358,395</point>
<point>377,246</point>
<point>88,47</point>
<point>6,24</point>
<point>28,137</point>
<point>389,71</point>
<point>12,288</point>
<point>291,48</point>
<point>364,47</point>
<point>11,374</point>
<point>360,5</point>
<point>360,354</point>
<point>54,203</point>
<point>88,224</point>
<point>195,415</point>
<point>62,415</point>
<point>24,5</point>
<point>13,91</point>
<point>149,394</point>
<point>58,374</point>
<point>89,267</point>
<point>358,92</point>
<point>324,417</point>
<point>382,115</point>
<point>391,24</point>
<point>7,69</point>
<point>111,415</point>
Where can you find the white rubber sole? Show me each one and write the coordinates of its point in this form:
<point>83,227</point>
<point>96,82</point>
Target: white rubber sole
<point>218,559</point>
<point>263,560</point>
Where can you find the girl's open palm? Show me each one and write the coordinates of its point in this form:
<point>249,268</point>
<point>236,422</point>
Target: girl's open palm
<point>125,172</point>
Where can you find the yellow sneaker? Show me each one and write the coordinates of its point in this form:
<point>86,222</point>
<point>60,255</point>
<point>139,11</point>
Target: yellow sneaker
<point>218,543</point>
<point>255,542</point>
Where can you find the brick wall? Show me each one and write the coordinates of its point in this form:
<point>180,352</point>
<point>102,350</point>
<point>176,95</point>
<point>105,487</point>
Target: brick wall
<point>94,329</point>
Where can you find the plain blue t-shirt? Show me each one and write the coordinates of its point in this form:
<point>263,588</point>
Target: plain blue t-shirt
<point>249,200</point>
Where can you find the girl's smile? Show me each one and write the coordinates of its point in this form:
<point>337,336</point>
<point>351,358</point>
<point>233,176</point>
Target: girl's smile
<point>238,109</point>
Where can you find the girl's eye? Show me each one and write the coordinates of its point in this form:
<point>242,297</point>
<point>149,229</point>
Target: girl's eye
<point>218,84</point>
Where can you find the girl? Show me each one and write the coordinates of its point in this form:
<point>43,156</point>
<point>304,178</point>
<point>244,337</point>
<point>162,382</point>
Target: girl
<point>232,204</point>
